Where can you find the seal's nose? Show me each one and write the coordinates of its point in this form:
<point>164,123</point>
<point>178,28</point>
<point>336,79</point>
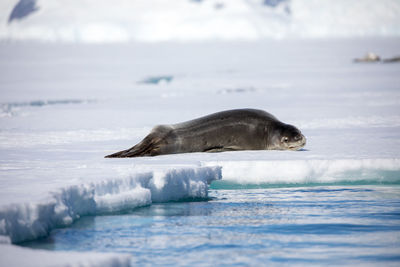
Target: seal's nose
<point>303,139</point>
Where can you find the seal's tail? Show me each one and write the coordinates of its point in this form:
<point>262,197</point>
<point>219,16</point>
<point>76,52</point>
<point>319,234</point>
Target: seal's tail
<point>149,146</point>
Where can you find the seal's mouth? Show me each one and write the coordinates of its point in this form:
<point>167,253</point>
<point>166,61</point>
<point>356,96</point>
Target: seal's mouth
<point>299,144</point>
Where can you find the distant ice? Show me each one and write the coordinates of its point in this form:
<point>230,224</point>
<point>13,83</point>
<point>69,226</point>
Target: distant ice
<point>157,79</point>
<point>96,21</point>
<point>10,109</point>
<point>237,90</point>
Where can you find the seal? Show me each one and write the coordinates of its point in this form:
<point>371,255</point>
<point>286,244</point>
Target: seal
<point>231,130</point>
<point>369,57</point>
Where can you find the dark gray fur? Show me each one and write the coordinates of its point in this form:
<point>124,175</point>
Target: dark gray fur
<point>239,129</point>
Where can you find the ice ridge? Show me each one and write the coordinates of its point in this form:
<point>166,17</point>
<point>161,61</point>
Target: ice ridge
<point>28,221</point>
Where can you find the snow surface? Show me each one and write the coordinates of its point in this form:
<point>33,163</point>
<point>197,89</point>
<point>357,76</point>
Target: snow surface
<point>53,205</point>
<point>48,202</point>
<point>96,21</point>
<point>65,106</point>
<point>18,256</point>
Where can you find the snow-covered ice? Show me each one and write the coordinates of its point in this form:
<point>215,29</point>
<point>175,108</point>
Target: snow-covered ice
<point>96,21</point>
<point>54,204</point>
<point>64,106</point>
<point>18,256</point>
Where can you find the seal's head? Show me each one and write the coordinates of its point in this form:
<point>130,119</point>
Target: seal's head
<point>287,137</point>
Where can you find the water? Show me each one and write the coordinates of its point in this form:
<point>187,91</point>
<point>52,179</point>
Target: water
<point>296,226</point>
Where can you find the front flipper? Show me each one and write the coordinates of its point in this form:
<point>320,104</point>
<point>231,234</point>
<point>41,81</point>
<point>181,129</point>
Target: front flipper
<point>221,149</point>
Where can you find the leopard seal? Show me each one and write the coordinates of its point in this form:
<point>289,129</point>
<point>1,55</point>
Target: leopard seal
<point>231,130</point>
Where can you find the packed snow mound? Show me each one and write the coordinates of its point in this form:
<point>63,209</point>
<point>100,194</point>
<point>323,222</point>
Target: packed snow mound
<point>27,221</point>
<point>187,20</point>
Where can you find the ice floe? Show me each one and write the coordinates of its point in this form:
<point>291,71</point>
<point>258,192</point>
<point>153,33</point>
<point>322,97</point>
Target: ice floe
<point>62,206</point>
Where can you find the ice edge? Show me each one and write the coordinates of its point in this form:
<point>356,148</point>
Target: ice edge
<point>28,221</point>
<point>310,171</point>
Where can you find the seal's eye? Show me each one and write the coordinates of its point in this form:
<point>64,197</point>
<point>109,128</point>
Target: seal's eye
<point>285,139</point>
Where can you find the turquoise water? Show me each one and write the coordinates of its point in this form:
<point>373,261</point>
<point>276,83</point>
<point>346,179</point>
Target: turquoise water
<point>336,225</point>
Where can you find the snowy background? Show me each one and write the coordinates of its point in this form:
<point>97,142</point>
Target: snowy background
<point>195,20</point>
<point>82,79</point>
